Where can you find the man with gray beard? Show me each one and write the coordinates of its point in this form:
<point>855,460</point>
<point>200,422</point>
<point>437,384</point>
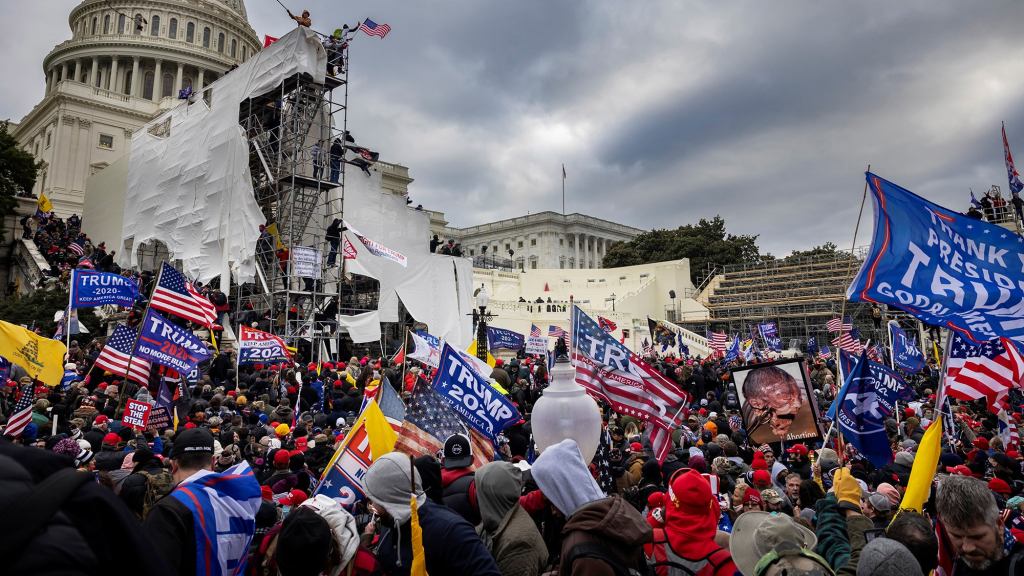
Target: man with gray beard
<point>978,540</point>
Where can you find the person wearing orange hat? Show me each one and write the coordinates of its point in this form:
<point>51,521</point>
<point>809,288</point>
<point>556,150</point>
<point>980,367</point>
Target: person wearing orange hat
<point>691,524</point>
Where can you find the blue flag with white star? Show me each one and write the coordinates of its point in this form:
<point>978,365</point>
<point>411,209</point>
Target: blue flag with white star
<point>942,267</point>
<point>867,398</point>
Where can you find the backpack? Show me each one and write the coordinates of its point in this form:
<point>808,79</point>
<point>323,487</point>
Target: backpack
<point>157,486</point>
<point>679,566</point>
<point>597,551</point>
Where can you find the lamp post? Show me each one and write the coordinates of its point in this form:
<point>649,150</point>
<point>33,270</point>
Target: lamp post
<point>565,410</point>
<point>612,298</point>
<point>482,299</point>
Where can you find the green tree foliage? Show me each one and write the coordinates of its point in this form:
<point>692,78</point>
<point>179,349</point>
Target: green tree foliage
<point>828,249</point>
<point>704,243</point>
<point>17,170</point>
<point>37,309</point>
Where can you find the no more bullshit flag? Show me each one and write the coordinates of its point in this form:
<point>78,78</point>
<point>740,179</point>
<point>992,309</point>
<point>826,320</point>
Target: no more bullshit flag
<point>944,268</point>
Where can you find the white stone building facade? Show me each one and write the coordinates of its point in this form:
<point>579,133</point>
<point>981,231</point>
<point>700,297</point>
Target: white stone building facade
<point>126,61</point>
<point>542,240</point>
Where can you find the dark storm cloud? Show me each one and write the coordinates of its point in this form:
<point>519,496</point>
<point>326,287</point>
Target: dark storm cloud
<point>663,112</point>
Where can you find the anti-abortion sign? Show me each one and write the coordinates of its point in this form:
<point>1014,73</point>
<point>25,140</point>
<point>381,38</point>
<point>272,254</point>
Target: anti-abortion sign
<point>259,347</point>
<point>169,345</point>
<point>943,267</point>
<point>536,344</point>
<point>502,338</point>
<point>90,288</point>
<point>469,394</point>
<point>136,414</point>
<point>305,262</point>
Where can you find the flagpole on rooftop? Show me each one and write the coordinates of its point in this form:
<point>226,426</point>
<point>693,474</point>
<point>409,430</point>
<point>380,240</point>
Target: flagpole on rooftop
<point>563,189</point>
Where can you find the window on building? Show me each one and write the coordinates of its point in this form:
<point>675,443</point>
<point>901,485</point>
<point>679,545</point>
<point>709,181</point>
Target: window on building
<point>147,85</point>
<point>120,23</point>
<point>234,47</point>
<point>126,89</point>
<point>186,82</point>
<point>471,252</point>
<point>92,29</point>
<point>154,26</point>
<point>48,135</point>
<point>533,264</point>
<point>106,141</point>
<point>519,244</point>
<point>139,25</point>
<point>172,29</point>
<point>561,241</point>
<point>190,32</point>
<point>206,37</point>
<point>508,247</point>
<point>166,86</point>
<point>533,241</point>
<point>220,42</point>
<point>245,53</point>
<point>106,24</point>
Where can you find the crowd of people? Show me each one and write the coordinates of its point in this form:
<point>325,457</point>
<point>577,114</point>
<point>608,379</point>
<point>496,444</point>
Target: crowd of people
<point>717,504</point>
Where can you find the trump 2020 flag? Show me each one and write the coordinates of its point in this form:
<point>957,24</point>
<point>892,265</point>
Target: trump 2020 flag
<point>905,352</point>
<point>471,396</point>
<point>770,332</point>
<point>868,397</point>
<point>259,347</point>
<point>942,267</point>
<point>502,338</point>
<point>90,288</point>
<point>170,345</point>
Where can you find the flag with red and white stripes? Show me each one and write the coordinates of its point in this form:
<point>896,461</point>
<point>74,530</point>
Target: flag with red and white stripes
<point>987,370</point>
<point>76,249</point>
<point>21,415</point>
<point>534,331</point>
<point>174,294</point>
<point>610,371</point>
<point>718,341</point>
<point>116,356</point>
<point>371,28</point>
<point>846,341</point>
<point>606,324</point>
<point>558,332</point>
<point>837,325</point>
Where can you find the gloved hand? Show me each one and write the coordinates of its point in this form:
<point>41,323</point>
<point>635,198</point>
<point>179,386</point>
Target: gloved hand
<point>847,489</point>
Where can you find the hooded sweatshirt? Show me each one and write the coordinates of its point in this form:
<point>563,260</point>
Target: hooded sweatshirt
<point>564,479</point>
<point>507,530</point>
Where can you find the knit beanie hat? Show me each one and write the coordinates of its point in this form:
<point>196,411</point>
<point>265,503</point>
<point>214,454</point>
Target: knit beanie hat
<point>67,447</point>
<point>884,557</point>
<point>759,462</point>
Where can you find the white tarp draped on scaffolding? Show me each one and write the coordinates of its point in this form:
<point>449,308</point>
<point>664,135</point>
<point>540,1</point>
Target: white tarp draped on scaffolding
<point>192,189</point>
<point>363,327</point>
<point>435,289</point>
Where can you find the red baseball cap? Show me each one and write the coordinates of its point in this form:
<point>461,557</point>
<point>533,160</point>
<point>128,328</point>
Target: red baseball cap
<point>999,486</point>
<point>959,470</point>
<point>101,419</point>
<point>636,447</point>
<point>752,496</point>
<point>798,449</point>
<point>762,479</point>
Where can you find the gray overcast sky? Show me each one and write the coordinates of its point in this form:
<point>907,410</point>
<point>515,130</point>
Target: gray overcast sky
<point>662,111</point>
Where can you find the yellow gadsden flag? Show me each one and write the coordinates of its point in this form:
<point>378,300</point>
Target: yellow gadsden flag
<point>43,204</point>
<point>42,358</point>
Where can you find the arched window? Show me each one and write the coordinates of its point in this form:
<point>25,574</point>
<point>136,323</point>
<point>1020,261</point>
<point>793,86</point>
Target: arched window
<point>220,43</point>
<point>139,26</point>
<point>186,82</point>
<point>120,23</point>
<point>172,29</point>
<point>154,26</point>
<point>206,37</point>
<point>167,86</point>
<point>245,53</point>
<point>106,23</point>
<point>190,32</point>
<point>147,85</point>
<point>92,30</point>
<point>234,47</point>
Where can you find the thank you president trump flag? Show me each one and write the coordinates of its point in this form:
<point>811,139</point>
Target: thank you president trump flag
<point>170,345</point>
<point>942,267</point>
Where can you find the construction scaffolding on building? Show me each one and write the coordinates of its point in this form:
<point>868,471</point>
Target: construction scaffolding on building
<point>299,184</point>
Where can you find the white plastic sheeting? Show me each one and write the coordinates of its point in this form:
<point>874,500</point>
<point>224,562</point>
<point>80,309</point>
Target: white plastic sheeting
<point>192,189</point>
<point>436,290</point>
<point>363,327</point>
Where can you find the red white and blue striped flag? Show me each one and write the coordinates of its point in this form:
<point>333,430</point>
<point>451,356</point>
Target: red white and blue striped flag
<point>837,325</point>
<point>116,355</point>
<point>534,331</point>
<point>76,249</point>
<point>371,28</point>
<point>558,332</point>
<point>174,294</point>
<point>988,370</point>
<point>717,341</point>
<point>21,415</point>
<point>606,324</point>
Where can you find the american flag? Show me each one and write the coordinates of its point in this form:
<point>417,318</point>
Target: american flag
<point>558,332</point>
<point>824,351</point>
<point>116,354</point>
<point>837,325</point>
<point>534,331</point>
<point>629,384</point>
<point>21,415</point>
<point>717,341</point>
<point>1016,186</point>
<point>606,324</point>
<point>371,28</point>
<point>987,370</point>
<point>846,341</point>
<point>76,248</point>
<point>1008,431</point>
<point>174,294</point>
<point>429,421</point>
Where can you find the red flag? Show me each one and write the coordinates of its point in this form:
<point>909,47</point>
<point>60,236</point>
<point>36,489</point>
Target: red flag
<point>348,250</point>
<point>268,40</point>
<point>606,324</point>
<point>399,356</point>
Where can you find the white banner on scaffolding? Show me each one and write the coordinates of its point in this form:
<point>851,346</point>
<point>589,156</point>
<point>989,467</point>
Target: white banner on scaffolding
<point>306,262</point>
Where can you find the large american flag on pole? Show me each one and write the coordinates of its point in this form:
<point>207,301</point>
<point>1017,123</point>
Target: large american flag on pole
<point>846,341</point>
<point>987,370</point>
<point>613,373</point>
<point>174,294</point>
<point>534,331</point>
<point>558,332</point>
<point>718,341</point>
<point>837,325</point>
<point>371,28</point>
<point>116,355</point>
<point>429,422</point>
<point>21,415</point>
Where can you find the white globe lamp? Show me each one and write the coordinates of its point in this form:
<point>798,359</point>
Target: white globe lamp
<point>565,410</point>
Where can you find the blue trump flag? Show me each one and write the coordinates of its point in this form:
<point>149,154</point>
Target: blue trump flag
<point>471,396</point>
<point>501,338</point>
<point>90,288</point>
<point>170,345</point>
<point>944,268</point>
<point>905,353</point>
<point>812,346</point>
<point>868,397</point>
<point>770,332</point>
<point>734,350</point>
